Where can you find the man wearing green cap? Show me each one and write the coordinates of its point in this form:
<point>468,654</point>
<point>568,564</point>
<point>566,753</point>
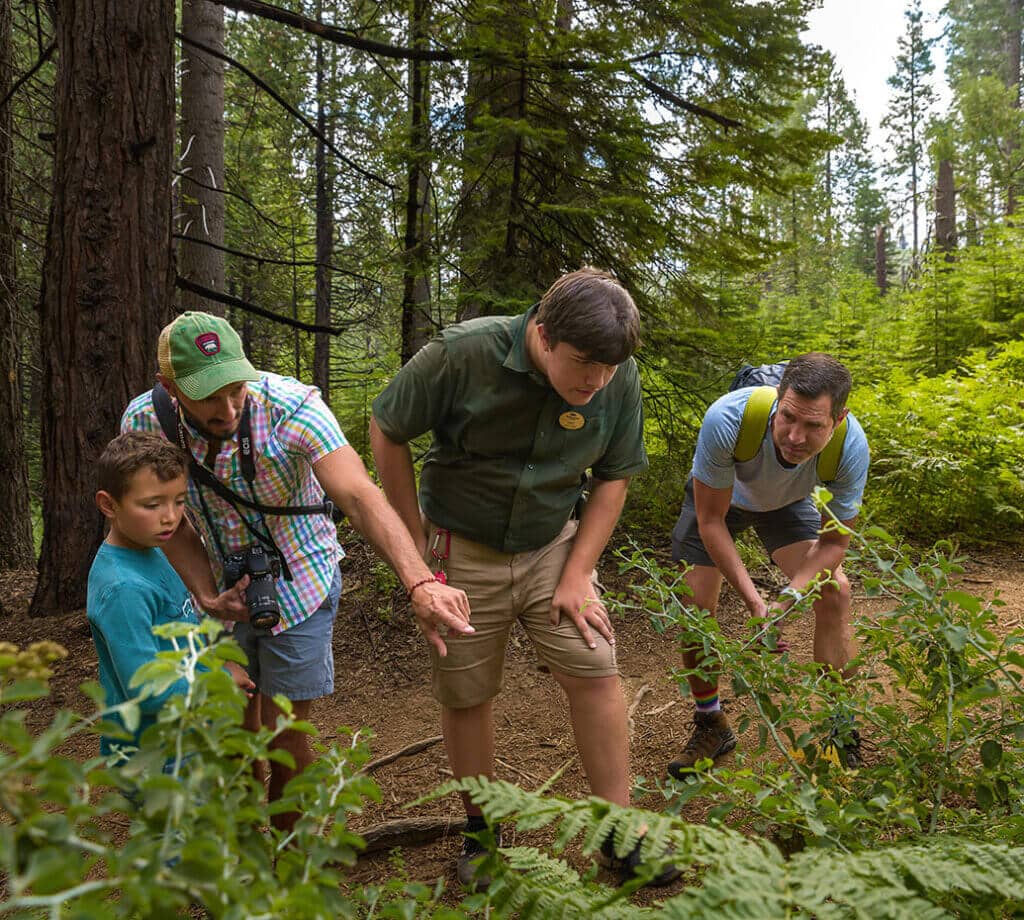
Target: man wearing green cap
<point>273,442</point>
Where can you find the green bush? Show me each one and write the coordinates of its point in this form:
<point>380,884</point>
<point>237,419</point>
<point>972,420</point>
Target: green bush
<point>947,453</point>
<point>199,831</point>
<point>932,825</point>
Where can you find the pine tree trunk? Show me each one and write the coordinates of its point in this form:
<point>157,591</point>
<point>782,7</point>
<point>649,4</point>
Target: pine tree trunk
<point>324,236</point>
<point>1012,44</point>
<point>16,551</point>
<point>202,146</point>
<point>881,268</point>
<point>417,325</point>
<point>107,277</point>
<point>489,278</point>
<point>945,210</point>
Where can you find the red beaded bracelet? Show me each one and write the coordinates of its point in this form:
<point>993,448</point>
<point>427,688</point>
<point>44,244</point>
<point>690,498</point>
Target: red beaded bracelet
<point>419,584</point>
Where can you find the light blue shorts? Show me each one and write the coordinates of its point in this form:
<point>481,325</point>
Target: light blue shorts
<point>298,662</point>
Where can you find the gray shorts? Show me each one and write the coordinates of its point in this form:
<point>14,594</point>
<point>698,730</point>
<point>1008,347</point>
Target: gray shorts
<point>298,662</point>
<point>782,527</point>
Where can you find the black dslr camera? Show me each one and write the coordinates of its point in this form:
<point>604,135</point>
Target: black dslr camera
<point>262,567</point>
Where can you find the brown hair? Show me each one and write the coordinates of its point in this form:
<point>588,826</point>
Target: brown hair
<point>128,453</point>
<point>816,373</point>
<point>589,310</point>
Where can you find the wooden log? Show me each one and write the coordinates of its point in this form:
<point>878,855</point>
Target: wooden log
<point>409,832</point>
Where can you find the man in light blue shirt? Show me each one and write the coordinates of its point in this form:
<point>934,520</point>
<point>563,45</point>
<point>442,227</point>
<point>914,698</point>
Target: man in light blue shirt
<point>771,493</point>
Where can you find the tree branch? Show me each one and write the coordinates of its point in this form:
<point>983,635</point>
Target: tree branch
<point>25,77</point>
<point>252,257</point>
<point>186,285</point>
<point>341,37</point>
<point>334,34</point>
<point>666,95</point>
<point>289,108</point>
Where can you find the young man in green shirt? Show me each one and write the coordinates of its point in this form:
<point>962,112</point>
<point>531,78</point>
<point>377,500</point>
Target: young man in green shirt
<point>520,408</point>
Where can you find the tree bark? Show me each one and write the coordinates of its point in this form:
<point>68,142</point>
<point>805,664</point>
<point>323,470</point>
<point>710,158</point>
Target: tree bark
<point>202,146</point>
<point>324,233</point>
<point>1012,44</point>
<point>945,210</point>
<point>16,550</point>
<point>107,279</point>
<point>488,276</point>
<point>881,268</point>
<point>417,325</point>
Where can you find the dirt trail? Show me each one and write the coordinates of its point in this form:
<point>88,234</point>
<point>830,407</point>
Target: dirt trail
<point>382,682</point>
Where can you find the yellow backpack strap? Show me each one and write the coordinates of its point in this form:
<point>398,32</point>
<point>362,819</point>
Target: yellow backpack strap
<point>753,424</point>
<point>828,459</point>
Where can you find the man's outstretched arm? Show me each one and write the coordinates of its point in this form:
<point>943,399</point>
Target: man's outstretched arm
<point>347,484</point>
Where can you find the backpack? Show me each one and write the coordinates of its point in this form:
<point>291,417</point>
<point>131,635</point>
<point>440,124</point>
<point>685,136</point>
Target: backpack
<point>766,378</point>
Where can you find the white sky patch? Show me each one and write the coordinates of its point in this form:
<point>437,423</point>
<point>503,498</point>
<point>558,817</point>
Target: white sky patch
<point>862,36</point>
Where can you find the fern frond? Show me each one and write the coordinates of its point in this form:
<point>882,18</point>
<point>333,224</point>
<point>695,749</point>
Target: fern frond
<point>540,887</point>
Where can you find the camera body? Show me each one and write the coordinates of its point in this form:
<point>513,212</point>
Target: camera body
<point>262,567</point>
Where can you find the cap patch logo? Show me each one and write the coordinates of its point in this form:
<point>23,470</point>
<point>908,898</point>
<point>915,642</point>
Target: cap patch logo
<point>208,343</point>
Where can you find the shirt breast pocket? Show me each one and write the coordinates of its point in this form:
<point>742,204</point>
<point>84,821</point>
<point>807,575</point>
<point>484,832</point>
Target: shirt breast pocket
<point>580,448</point>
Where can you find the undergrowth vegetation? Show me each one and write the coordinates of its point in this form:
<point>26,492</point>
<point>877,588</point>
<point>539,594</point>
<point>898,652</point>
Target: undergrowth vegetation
<point>932,825</point>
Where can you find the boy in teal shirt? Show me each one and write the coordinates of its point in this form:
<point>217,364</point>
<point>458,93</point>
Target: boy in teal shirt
<point>132,588</point>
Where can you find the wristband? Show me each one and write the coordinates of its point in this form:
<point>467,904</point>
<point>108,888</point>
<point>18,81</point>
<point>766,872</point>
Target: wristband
<point>419,584</point>
<point>792,593</point>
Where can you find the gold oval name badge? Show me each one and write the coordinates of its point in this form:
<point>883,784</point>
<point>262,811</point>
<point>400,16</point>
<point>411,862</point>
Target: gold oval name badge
<point>571,421</point>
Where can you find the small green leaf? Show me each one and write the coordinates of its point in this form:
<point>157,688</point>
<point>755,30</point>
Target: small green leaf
<point>991,753</point>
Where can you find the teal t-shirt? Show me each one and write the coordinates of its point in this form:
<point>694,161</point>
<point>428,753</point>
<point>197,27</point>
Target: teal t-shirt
<point>130,591</point>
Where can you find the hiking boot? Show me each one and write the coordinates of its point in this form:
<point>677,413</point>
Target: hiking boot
<point>467,865</point>
<point>712,737</point>
<point>627,866</point>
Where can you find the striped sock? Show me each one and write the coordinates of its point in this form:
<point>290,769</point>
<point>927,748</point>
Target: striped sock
<point>708,702</point>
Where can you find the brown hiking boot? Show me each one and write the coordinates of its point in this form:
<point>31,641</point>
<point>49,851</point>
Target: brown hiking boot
<point>712,737</point>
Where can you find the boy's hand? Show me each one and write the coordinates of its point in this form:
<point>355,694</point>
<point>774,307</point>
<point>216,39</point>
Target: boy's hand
<point>240,677</point>
<point>230,605</point>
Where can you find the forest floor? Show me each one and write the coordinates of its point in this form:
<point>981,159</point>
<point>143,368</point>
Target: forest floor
<point>382,682</point>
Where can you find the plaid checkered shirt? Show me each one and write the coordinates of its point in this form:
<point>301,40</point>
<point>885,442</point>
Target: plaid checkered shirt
<point>292,429</point>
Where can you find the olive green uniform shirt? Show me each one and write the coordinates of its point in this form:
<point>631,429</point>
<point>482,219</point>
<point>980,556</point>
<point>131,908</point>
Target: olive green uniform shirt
<point>505,467</point>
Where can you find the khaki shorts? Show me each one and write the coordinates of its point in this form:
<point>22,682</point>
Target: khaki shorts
<point>503,588</point>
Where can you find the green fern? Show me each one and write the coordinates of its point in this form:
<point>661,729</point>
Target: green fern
<point>735,876</point>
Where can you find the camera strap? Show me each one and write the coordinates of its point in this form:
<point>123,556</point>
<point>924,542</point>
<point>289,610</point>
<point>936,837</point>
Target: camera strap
<point>174,428</point>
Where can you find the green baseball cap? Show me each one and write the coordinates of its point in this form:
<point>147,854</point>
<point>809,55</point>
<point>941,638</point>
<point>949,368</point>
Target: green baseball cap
<point>202,353</point>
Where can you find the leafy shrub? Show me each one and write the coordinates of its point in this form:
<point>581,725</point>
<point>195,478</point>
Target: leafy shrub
<point>931,825</point>
<point>198,829</point>
<point>947,453</point>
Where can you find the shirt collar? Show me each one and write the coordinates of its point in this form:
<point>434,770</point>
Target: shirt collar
<point>518,358</point>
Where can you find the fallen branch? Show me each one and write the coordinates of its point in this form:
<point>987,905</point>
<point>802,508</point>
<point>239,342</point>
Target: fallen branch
<point>409,832</point>
<point>415,748</point>
<point>640,694</point>
<point>523,773</point>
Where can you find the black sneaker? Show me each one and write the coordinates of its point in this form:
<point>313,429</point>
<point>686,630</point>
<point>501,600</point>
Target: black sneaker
<point>711,738</point>
<point>467,865</point>
<point>627,866</point>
